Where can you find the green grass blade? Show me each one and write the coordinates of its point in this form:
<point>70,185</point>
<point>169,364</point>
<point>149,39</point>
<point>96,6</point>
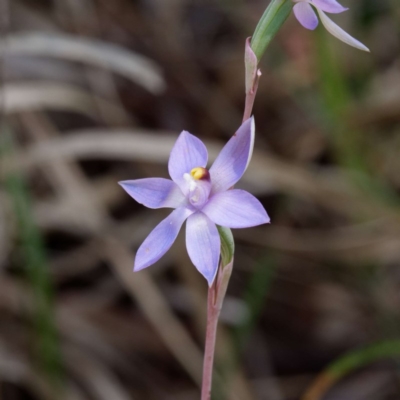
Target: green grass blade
<point>36,270</point>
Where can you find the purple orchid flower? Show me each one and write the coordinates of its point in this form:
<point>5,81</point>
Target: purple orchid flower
<point>200,196</point>
<point>307,17</point>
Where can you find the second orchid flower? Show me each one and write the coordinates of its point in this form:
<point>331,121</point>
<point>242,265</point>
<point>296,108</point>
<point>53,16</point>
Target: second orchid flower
<point>305,14</point>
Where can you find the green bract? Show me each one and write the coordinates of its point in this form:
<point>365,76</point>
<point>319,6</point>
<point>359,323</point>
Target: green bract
<point>227,245</point>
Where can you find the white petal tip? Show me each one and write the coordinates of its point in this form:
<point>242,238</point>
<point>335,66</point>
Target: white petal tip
<point>137,267</point>
<point>360,46</point>
<point>267,220</point>
<point>339,33</point>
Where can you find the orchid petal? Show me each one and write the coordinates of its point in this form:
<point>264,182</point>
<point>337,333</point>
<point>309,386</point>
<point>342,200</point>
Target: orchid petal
<point>330,6</point>
<point>188,152</point>
<point>338,32</point>
<point>160,238</point>
<point>155,192</point>
<point>203,245</point>
<point>235,209</point>
<point>234,158</point>
<point>305,15</point>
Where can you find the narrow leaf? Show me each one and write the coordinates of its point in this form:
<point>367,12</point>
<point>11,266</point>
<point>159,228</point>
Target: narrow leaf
<point>272,20</point>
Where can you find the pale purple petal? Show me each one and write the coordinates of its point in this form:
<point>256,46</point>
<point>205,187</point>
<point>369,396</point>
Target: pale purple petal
<point>330,6</point>
<point>234,158</point>
<point>235,209</point>
<point>155,192</point>
<point>203,245</point>
<point>188,152</point>
<point>305,15</point>
<point>160,239</point>
<point>338,32</point>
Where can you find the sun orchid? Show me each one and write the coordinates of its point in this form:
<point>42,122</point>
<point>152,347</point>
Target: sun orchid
<point>307,17</point>
<point>202,197</point>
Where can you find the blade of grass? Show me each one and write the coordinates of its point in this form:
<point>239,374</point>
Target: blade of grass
<point>336,98</point>
<point>36,270</point>
<point>254,298</point>
<point>22,97</point>
<point>133,66</point>
<point>348,364</point>
<point>351,150</point>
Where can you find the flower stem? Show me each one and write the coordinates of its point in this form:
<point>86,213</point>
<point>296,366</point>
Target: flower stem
<point>250,97</point>
<point>252,77</point>
<point>211,335</point>
<point>216,295</point>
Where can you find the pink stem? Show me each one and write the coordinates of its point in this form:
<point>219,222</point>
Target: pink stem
<point>211,334</point>
<point>216,295</point>
<point>250,97</point>
<point>217,291</point>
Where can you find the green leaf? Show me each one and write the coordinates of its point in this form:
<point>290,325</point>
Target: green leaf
<point>227,245</point>
<point>270,23</point>
<point>33,254</point>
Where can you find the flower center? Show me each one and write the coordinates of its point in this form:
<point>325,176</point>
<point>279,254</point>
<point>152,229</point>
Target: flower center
<point>200,173</point>
<point>199,186</point>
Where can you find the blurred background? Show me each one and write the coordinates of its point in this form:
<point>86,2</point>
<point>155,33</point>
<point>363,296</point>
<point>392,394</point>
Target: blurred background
<point>94,92</point>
